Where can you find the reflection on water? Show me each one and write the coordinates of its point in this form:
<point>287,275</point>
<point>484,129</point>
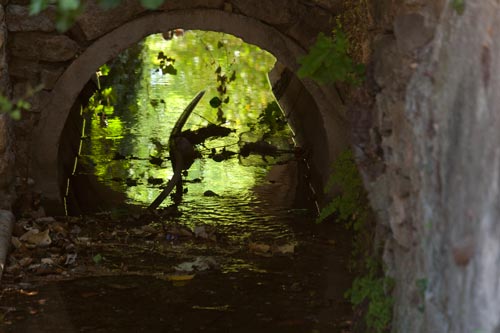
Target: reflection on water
<point>126,147</point>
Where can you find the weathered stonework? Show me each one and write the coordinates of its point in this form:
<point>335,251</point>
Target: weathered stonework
<point>43,47</point>
<point>429,155</point>
<point>7,160</point>
<point>18,19</point>
<point>7,157</point>
<point>95,22</point>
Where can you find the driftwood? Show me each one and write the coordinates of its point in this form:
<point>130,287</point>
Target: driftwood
<point>182,153</point>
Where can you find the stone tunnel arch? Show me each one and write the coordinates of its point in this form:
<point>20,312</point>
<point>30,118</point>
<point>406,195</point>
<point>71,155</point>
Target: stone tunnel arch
<point>329,130</point>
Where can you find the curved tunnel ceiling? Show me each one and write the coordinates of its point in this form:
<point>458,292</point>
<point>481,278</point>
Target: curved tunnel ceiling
<point>80,71</point>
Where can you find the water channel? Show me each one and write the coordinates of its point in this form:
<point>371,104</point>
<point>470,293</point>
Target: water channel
<point>243,235</point>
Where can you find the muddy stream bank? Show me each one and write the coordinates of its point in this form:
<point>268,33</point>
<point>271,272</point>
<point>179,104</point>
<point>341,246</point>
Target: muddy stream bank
<point>271,269</point>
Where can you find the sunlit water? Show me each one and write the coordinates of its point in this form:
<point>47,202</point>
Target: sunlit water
<point>145,106</point>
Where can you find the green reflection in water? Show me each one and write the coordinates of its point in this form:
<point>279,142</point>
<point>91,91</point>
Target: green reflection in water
<point>147,104</point>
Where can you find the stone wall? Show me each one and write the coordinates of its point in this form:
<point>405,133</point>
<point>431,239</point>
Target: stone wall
<point>6,135</point>
<point>436,193</point>
<point>426,136</point>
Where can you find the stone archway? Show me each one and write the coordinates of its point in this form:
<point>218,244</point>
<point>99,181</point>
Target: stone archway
<point>330,129</point>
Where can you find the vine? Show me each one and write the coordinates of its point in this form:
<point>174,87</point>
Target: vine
<point>351,207</point>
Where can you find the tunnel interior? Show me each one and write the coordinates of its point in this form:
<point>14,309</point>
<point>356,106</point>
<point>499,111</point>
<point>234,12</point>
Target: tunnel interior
<point>312,109</point>
<point>262,132</point>
<point>265,218</point>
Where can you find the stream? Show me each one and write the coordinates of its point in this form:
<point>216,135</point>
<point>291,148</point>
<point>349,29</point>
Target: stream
<point>239,253</point>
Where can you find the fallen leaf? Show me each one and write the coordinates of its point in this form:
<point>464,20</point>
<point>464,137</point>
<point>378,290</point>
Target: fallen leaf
<point>259,247</point>
<point>25,261</point>
<point>47,261</point>
<point>180,277</point>
<point>36,238</point>
<point>97,258</point>
<point>284,249</point>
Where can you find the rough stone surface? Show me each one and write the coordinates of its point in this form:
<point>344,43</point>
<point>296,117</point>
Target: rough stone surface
<point>7,160</point>
<point>411,31</point>
<point>95,22</point>
<point>176,5</point>
<point>19,19</point>
<point>3,34</point>
<point>23,68</point>
<point>438,188</point>
<point>276,12</point>
<point>49,77</point>
<point>44,47</point>
<point>310,22</point>
<point>456,107</point>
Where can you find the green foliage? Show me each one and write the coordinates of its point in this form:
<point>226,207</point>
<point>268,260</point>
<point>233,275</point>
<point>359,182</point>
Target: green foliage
<point>458,6</point>
<point>351,208</point>
<point>350,205</point>
<point>270,121</point>
<point>373,288</point>
<point>272,118</point>
<point>328,61</point>
<point>223,79</point>
<point>15,108</point>
<point>166,64</point>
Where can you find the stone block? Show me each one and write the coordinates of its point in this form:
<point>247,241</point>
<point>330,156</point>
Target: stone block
<point>382,12</point>
<point>22,68</point>
<point>49,77</point>
<point>176,4</point>
<point>19,19</point>
<point>306,29</point>
<point>95,22</point>
<point>411,32</point>
<point>43,47</point>
<point>387,61</point>
<point>274,12</point>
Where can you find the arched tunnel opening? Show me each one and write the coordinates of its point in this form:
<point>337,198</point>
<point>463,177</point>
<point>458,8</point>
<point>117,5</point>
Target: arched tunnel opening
<point>238,127</point>
<point>422,126</point>
<point>246,220</point>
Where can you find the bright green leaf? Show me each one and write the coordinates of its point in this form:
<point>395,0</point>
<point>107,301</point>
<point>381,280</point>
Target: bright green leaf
<point>36,6</point>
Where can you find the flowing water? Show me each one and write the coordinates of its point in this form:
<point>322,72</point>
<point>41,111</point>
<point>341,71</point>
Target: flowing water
<point>143,106</point>
<point>262,264</point>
